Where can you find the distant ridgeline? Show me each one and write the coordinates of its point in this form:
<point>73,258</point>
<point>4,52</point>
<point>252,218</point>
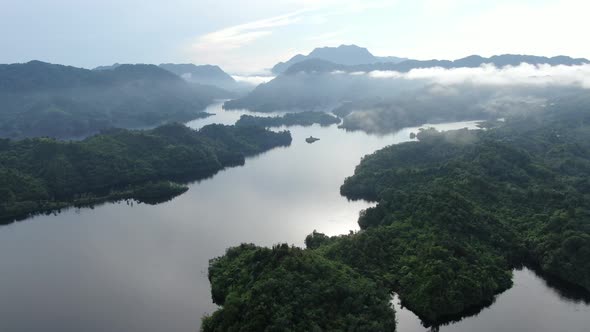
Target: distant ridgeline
<point>204,74</point>
<point>43,175</point>
<point>473,61</point>
<point>456,212</point>
<point>207,76</point>
<point>318,84</point>
<point>42,99</point>
<point>343,55</point>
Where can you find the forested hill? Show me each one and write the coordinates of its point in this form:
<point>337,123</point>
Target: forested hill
<point>42,174</point>
<point>42,99</point>
<point>42,76</point>
<point>457,211</point>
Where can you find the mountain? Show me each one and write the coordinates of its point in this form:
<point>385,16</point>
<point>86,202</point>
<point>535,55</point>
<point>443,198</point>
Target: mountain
<point>207,78</point>
<point>316,84</point>
<point>473,61</point>
<point>343,55</point>
<point>208,75</point>
<point>43,99</point>
<point>111,67</point>
<point>204,74</point>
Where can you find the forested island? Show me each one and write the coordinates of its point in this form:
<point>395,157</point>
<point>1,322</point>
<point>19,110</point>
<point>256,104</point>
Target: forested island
<point>456,212</point>
<point>43,174</point>
<point>306,118</point>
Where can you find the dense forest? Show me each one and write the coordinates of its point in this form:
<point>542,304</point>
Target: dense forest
<point>456,212</point>
<point>290,289</point>
<point>289,119</point>
<point>42,99</point>
<point>43,174</point>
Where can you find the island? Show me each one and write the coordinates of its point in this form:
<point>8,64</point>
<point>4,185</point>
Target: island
<point>311,139</point>
<point>44,175</point>
<point>306,118</point>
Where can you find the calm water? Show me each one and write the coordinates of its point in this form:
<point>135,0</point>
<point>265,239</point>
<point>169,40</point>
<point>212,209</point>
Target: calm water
<point>128,268</point>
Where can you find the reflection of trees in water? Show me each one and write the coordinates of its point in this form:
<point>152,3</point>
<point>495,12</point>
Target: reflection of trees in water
<point>563,289</point>
<point>447,320</point>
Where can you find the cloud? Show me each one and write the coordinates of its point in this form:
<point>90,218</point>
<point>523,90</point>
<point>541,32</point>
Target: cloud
<point>232,46</point>
<point>441,6</point>
<point>350,5</point>
<point>550,27</point>
<point>253,79</point>
<point>487,74</point>
<point>236,36</point>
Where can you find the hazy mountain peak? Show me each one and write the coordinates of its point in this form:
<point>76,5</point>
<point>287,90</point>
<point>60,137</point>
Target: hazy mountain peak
<point>111,67</point>
<point>342,55</point>
<point>202,74</point>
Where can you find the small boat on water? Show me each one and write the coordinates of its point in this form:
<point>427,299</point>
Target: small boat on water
<point>311,139</point>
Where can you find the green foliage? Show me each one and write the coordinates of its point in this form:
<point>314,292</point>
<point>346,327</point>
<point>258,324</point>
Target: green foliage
<point>315,239</point>
<point>41,174</point>
<point>442,255</point>
<point>290,119</point>
<point>489,200</point>
<point>157,192</point>
<point>456,212</point>
<point>290,289</point>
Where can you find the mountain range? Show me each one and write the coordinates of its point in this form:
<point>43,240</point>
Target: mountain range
<point>209,75</point>
<point>310,84</point>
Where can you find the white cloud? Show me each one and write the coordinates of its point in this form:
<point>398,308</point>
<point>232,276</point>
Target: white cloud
<point>226,46</point>
<point>536,27</point>
<point>239,35</point>
<point>440,6</point>
<point>351,5</point>
<point>524,74</point>
<point>254,79</point>
<point>385,74</point>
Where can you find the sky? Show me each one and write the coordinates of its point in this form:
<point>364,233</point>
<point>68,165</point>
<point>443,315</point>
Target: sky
<point>248,37</point>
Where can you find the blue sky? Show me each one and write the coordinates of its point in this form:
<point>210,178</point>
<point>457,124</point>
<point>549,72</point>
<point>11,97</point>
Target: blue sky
<point>249,36</point>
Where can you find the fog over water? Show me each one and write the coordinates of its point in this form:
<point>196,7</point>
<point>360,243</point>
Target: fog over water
<point>121,267</point>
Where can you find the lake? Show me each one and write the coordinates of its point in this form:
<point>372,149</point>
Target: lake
<point>135,267</point>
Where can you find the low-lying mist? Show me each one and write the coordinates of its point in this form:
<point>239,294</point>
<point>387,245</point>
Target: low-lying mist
<point>384,101</point>
<point>524,74</point>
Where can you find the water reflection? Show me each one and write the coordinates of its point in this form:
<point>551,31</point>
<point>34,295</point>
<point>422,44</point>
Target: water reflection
<point>566,291</point>
<point>128,268</point>
<point>531,305</point>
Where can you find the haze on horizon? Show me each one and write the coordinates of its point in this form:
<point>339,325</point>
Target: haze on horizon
<point>249,38</point>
